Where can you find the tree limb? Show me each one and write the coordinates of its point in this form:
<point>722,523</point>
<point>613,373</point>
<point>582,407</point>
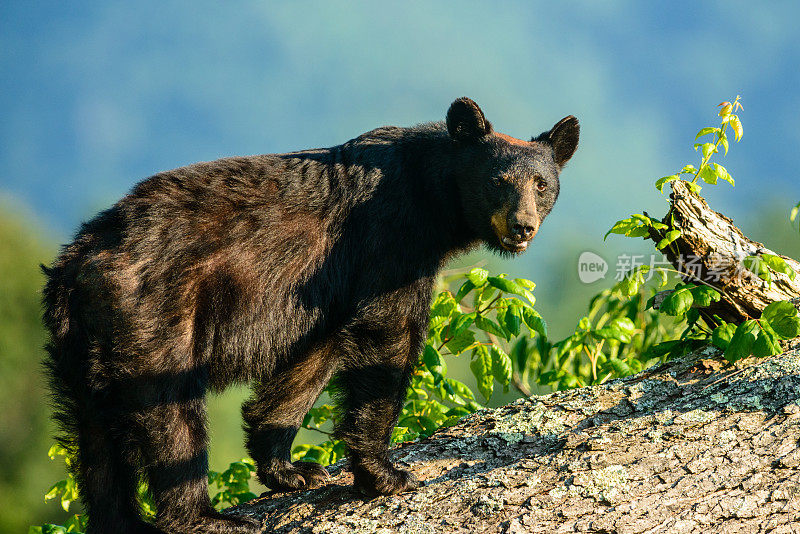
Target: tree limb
<point>719,248</point>
<point>690,446</point>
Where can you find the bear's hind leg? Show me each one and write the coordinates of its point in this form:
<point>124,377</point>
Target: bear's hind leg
<point>173,444</point>
<point>107,480</point>
<point>273,415</point>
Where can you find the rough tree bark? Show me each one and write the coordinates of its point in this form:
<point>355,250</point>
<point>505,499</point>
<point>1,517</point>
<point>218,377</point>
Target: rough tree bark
<point>689,446</point>
<point>719,248</point>
<point>693,445</point>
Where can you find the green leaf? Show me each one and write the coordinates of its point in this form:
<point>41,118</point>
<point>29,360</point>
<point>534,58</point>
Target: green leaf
<point>484,296</point>
<point>534,321</point>
<point>692,316</point>
<point>70,493</point>
<point>612,333</point>
<point>624,324</point>
<point>513,319</point>
<point>501,365</point>
<point>55,490</point>
<point>481,367</point>
<point>688,169</point>
<point>664,180</point>
<point>741,344</point>
<point>318,415</point>
<point>461,342</point>
<point>623,227</point>
<point>76,523</point>
<point>704,295</point>
<point>619,367</point>
<point>629,285</point>
<point>487,325</point>
<point>722,335</point>
<point>316,454</point>
<point>464,290</point>
<point>736,124</point>
<point>444,305</point>
<point>56,450</point>
<point>461,389</point>
<point>463,322</point>
<point>722,174</point>
<point>678,302</point>
<point>640,231</point>
<point>779,265</point>
<point>527,284</point>
<point>671,236</point>
<point>420,424</point>
<point>782,317</point>
<point>662,274</point>
<point>707,148</point>
<point>433,360</point>
<point>757,266</point>
<point>705,131</point>
<point>708,175</point>
<point>508,286</point>
<point>478,276</point>
<point>767,343</point>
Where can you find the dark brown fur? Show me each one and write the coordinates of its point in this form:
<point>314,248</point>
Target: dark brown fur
<point>280,270</point>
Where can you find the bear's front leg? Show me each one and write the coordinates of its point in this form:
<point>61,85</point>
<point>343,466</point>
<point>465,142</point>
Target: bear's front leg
<point>372,388</point>
<point>274,413</point>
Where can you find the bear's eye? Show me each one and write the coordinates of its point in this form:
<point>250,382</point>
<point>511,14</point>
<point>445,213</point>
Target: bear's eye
<point>497,182</point>
<point>541,185</point>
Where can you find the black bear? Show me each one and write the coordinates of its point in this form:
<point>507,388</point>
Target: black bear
<point>282,270</point>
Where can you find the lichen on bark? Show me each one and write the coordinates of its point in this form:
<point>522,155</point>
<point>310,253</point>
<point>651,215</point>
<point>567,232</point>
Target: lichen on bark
<point>693,445</point>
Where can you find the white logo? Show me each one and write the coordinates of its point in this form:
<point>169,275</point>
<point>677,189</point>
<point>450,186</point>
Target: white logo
<point>591,267</point>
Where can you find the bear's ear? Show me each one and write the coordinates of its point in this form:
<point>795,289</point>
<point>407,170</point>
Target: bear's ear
<point>563,137</point>
<point>465,121</point>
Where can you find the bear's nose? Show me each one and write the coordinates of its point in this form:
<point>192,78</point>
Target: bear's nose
<point>522,232</point>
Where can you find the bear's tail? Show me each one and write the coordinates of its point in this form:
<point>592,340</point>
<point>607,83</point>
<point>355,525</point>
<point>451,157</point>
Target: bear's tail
<point>95,435</point>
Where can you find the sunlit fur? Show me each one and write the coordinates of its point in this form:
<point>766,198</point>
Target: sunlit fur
<point>278,270</point>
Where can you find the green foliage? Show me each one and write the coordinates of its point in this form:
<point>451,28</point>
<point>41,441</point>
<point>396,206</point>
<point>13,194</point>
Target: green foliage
<point>759,337</point>
<point>232,487</point>
<point>66,491</point>
<point>709,172</point>
<point>793,214</point>
<point>233,484</point>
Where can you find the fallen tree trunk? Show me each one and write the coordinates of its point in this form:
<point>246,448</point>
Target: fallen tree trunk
<point>712,250</point>
<point>689,446</point>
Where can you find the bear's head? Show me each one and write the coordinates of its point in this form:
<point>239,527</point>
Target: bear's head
<point>507,185</point>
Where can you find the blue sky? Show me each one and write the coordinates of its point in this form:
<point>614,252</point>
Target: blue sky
<point>98,95</point>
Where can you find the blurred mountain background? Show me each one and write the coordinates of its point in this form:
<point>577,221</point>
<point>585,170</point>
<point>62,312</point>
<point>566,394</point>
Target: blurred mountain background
<point>95,96</point>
